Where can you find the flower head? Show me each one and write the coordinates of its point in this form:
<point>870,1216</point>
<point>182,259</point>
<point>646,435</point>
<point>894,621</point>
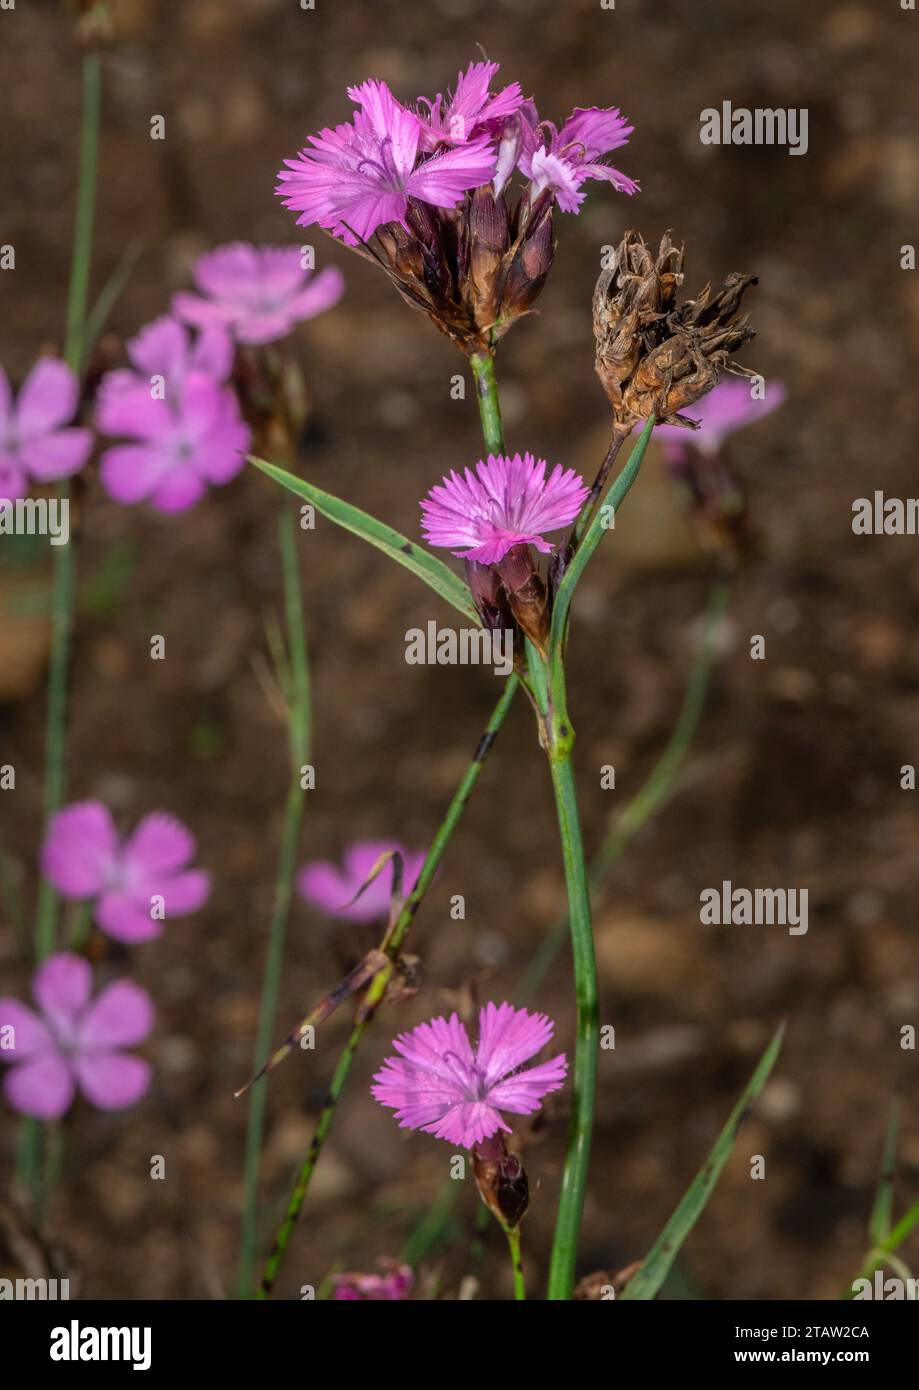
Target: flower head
<point>185,423</point>
<point>74,1042</point>
<point>361,175</point>
<point>36,444</point>
<point>562,160</point>
<point>504,503</point>
<point>134,883</point>
<point>393,1284</point>
<point>332,888</point>
<point>258,293</point>
<point>728,407</point>
<point>441,1084</point>
<point>470,109</point>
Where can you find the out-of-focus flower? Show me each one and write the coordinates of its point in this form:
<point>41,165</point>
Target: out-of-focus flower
<point>506,502</point>
<point>730,406</point>
<point>257,293</point>
<point>360,175</point>
<point>707,484</point>
<point>185,423</point>
<point>332,888</point>
<point>36,445</point>
<point>440,1084</point>
<point>74,1042</point>
<point>470,109</point>
<point>134,884</point>
<point>654,357</point>
<point>394,1283</point>
<point>562,160</point>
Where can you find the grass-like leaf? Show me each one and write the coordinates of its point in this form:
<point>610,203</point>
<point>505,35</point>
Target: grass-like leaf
<point>426,566</point>
<point>882,1211</point>
<point>647,1282</point>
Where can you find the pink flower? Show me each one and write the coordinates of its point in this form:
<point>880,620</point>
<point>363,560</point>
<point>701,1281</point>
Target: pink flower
<point>186,424</point>
<point>361,175</point>
<point>440,1084</point>
<point>394,1283</point>
<point>73,1043</point>
<point>572,155</point>
<point>35,445</point>
<point>729,406</point>
<point>470,110</point>
<point>506,502</point>
<point>330,888</point>
<point>135,884</point>
<point>259,293</point>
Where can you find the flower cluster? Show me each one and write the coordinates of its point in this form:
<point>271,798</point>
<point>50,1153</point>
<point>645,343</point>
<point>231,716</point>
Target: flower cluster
<point>430,181</point>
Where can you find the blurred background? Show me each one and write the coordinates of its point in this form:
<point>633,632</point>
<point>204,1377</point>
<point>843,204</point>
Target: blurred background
<point>795,772</point>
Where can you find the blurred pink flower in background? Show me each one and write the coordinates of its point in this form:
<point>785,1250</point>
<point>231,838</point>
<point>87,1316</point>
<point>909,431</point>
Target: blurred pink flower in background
<point>362,174</point>
<point>257,293</point>
<point>330,888</point>
<point>441,1084</point>
<point>188,438</point>
<point>506,502</point>
<point>84,858</point>
<point>729,406</point>
<point>36,443</point>
<point>394,1283</point>
<point>73,1042</point>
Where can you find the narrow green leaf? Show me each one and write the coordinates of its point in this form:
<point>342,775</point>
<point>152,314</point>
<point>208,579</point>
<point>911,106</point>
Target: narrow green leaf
<point>882,1211</point>
<point>408,553</point>
<point>647,1282</point>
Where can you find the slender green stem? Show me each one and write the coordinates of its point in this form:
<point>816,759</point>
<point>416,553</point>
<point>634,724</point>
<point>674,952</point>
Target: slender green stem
<point>299,722</point>
<point>63,581</point>
<point>661,784</point>
<point>574,1179</point>
<point>513,1244</point>
<point>483,370</point>
<point>378,985</point>
<point>62,592</point>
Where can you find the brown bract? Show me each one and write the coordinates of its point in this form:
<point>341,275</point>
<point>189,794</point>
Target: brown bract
<point>474,269</point>
<point>655,357</point>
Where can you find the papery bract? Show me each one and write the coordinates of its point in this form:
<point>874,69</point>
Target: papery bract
<point>443,1085</point>
<point>84,857</point>
<point>74,1042</point>
<point>37,444</point>
<point>507,501</point>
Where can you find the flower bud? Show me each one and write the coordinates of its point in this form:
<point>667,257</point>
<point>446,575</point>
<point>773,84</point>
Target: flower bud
<point>501,1180</point>
<point>488,595</point>
<point>526,593</point>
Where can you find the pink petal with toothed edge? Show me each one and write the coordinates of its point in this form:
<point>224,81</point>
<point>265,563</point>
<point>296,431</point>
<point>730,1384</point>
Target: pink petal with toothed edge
<point>81,849</point>
<point>111,1080</point>
<point>159,843</point>
<point>43,1088</point>
<point>30,1036</point>
<point>120,1016</point>
<point>131,472</point>
<point>121,916</point>
<point>59,455</point>
<point>508,1037</point>
<point>62,988</point>
<point>47,398</point>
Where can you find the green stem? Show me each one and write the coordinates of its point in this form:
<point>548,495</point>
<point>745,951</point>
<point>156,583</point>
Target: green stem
<point>574,1179</point>
<point>377,987</point>
<point>513,1244</point>
<point>62,587</point>
<point>483,369</point>
<point>299,722</point>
